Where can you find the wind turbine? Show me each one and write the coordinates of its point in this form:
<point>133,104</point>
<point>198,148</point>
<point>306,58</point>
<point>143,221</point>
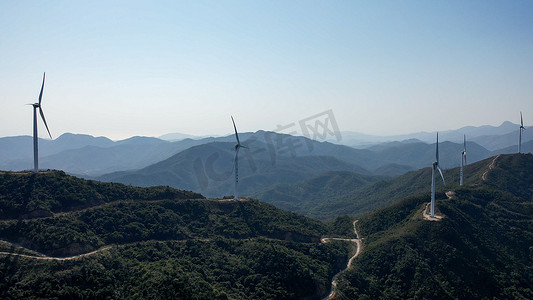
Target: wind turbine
<point>236,160</point>
<point>435,167</point>
<point>463,159</point>
<point>35,137</point>
<point>522,128</point>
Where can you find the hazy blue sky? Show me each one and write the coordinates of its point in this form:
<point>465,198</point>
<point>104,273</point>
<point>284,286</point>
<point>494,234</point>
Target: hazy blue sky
<point>124,68</point>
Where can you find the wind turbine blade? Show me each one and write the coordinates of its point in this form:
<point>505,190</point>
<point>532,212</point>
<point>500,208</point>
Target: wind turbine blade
<point>44,120</point>
<point>42,88</point>
<point>442,176</point>
<point>236,134</point>
<point>464,142</point>
<point>521,120</point>
<point>465,160</point>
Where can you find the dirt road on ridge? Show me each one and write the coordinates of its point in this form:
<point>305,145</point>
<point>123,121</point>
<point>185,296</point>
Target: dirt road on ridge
<point>359,245</point>
<point>491,166</point>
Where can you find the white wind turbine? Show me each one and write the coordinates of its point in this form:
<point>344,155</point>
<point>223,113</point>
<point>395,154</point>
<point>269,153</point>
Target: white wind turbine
<point>522,128</point>
<point>435,167</point>
<point>236,161</point>
<point>35,137</point>
<point>463,159</point>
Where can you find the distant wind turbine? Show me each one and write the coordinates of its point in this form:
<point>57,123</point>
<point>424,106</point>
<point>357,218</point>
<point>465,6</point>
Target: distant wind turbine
<point>236,161</point>
<point>435,167</point>
<point>463,160</point>
<point>522,128</point>
<point>35,137</point>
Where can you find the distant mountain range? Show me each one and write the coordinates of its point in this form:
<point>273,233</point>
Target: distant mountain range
<point>483,135</point>
<point>495,142</point>
<point>487,136</point>
<point>274,158</point>
<point>271,159</point>
<point>87,155</point>
<point>208,167</point>
<point>177,136</point>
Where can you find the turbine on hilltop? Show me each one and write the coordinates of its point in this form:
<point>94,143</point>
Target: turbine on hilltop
<point>522,128</point>
<point>435,167</point>
<point>463,160</point>
<point>236,161</point>
<point>35,137</point>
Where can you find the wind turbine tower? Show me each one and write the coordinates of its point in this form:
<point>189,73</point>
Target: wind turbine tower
<point>35,136</point>
<point>463,160</point>
<point>436,167</point>
<point>236,161</point>
<point>522,128</point>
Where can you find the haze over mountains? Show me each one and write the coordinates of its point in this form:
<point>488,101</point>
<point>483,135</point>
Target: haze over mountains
<point>84,154</point>
<point>361,140</point>
<point>207,168</point>
<point>204,165</point>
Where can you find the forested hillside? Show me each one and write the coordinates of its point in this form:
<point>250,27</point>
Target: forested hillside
<point>481,249</point>
<point>25,193</point>
<point>101,240</point>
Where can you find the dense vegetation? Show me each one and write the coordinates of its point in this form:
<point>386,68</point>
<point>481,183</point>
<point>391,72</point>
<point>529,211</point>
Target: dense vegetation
<point>192,269</point>
<point>481,249</point>
<point>320,197</point>
<point>156,243</point>
<point>22,194</point>
<point>133,221</point>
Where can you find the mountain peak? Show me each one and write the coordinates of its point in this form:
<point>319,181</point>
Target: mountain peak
<point>140,140</point>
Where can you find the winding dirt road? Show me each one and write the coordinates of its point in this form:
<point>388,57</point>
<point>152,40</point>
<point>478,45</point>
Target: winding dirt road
<point>491,166</point>
<point>31,254</point>
<point>39,256</point>
<point>55,258</point>
<point>359,244</point>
